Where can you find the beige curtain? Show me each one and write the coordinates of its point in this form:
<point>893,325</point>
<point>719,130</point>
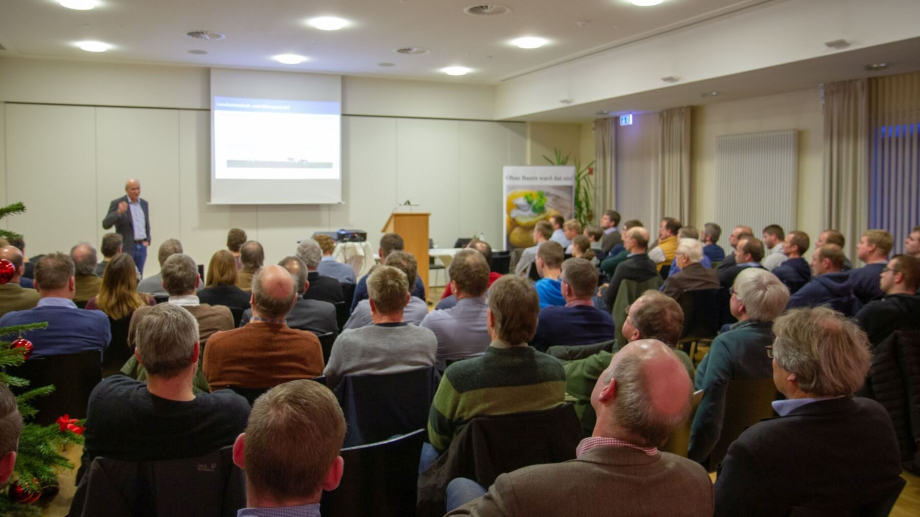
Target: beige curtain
<point>605,184</point>
<point>674,164</point>
<point>846,160</point>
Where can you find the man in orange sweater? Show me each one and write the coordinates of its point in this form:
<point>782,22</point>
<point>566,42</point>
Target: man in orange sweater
<point>265,352</point>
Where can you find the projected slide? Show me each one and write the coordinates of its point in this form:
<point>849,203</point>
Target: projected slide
<point>266,139</point>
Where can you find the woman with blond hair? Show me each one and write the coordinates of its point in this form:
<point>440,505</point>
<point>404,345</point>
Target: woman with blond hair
<point>118,296</point>
<point>220,282</point>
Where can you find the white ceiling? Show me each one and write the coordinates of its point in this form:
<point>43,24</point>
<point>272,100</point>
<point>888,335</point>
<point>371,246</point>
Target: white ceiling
<point>153,31</point>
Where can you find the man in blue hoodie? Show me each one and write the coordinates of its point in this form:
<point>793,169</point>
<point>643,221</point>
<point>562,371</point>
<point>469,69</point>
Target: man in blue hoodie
<point>794,271</point>
<point>873,249</point>
<point>900,308</point>
<point>830,286</point>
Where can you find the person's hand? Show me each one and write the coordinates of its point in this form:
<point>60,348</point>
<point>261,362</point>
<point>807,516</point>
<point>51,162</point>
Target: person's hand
<point>600,290</point>
<point>122,207</point>
<point>146,243</point>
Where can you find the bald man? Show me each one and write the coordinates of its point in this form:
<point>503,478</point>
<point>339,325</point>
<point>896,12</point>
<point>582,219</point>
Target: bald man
<point>637,265</point>
<point>86,283</point>
<point>130,216</point>
<point>14,297</point>
<point>265,352</point>
<point>640,400</point>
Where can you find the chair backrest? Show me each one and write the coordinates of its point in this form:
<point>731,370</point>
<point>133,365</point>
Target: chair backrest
<point>81,304</point>
<point>74,376</point>
<point>161,298</point>
<point>341,312</point>
<point>237,313</point>
<point>679,442</point>
<point>380,479</point>
<point>878,508</point>
<point>377,407</point>
<point>574,353</point>
<point>326,341</point>
<point>118,350</point>
<point>701,313</point>
<point>250,394</point>
<point>209,485</point>
<point>462,242</point>
<point>501,262</point>
<point>747,401</point>
<point>665,271</point>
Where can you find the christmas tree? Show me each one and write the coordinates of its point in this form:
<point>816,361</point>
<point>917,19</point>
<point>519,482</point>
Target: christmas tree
<point>39,459</point>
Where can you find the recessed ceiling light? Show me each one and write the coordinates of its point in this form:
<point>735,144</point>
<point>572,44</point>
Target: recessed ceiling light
<point>328,23</point>
<point>529,42</point>
<point>198,52</point>
<point>386,65</point>
<point>94,46</point>
<point>79,5</point>
<point>646,3</point>
<point>412,51</point>
<point>289,59</point>
<point>456,70</point>
<point>709,94</point>
<point>876,67</point>
<point>602,113</point>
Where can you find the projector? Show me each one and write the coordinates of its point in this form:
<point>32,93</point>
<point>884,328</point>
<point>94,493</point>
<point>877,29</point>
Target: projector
<point>351,236</point>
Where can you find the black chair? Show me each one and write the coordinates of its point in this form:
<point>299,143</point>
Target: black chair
<point>342,313</point>
<point>326,341</point>
<point>81,305</point>
<point>462,243</point>
<point>724,306</point>
<point>161,299</point>
<point>747,401</point>
<point>665,271</point>
<point>348,290</point>
<point>73,376</point>
<point>574,353</point>
<point>118,350</point>
<point>377,407</point>
<point>380,479</point>
<point>237,315</point>
<point>251,394</point>
<point>501,262</point>
<point>436,265</point>
<point>702,320</point>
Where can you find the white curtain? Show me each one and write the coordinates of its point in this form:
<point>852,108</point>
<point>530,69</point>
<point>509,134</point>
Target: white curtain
<point>674,164</point>
<point>846,160</point>
<point>605,166</point>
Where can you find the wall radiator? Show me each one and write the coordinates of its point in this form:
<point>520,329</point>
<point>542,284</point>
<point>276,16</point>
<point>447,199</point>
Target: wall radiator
<point>756,181</point>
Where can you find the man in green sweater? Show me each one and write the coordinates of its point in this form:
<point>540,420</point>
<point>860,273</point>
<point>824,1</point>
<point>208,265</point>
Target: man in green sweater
<point>511,377</point>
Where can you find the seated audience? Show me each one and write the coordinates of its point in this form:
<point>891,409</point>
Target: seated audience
<point>748,253</point>
<point>493,383</point>
<point>828,453</point>
<point>578,322</point>
<point>549,267</point>
<point>330,267</point>
<point>774,239</point>
<point>415,310</point>
<point>389,345</point>
<point>581,248</point>
<point>899,309</point>
<point>252,257</point>
<point>70,330</point>
<point>637,265</point>
<point>663,253</point>
<point>221,283</point>
<point>618,253</point>
<point>118,297</point>
<point>162,418</point>
<point>312,315</point>
<point>829,285</point>
<point>389,243</point>
<point>691,274</point>
<point>688,232</point>
<point>10,429</point>
<point>595,236</point>
<point>542,232</point>
<point>28,265</point>
<point>153,284</point>
<point>610,221</point>
<point>235,240</point>
<point>14,297</point>
<point>912,243</point>
<point>794,271</point>
<point>111,246</point>
<point>86,283</point>
<point>758,298</point>
<point>733,238</point>
<point>571,229</point>
<point>323,288</point>
<point>710,238</point>
<point>873,249</point>
<point>461,330</point>
<point>266,352</point>
<point>652,316</point>
<point>834,237</point>
<point>640,400</point>
<point>181,279</point>
<point>486,250</point>
<point>290,450</point>
<point>559,234</point>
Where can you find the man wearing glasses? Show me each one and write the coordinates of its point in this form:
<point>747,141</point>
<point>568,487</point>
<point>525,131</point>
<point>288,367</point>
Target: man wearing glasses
<point>900,308</point>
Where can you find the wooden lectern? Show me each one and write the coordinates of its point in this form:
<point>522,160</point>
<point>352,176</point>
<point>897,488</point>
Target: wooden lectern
<point>413,228</point>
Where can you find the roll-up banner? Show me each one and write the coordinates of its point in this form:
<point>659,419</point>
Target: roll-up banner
<point>533,194</point>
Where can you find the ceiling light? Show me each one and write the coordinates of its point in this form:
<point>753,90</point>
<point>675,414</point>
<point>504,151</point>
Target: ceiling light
<point>646,3</point>
<point>386,65</point>
<point>709,94</point>
<point>79,5</point>
<point>837,44</point>
<point>602,113</point>
<point>289,59</point>
<point>456,70</point>
<point>198,52</point>
<point>670,79</point>
<point>529,42</point>
<point>876,67</point>
<point>328,23</point>
<point>94,46</point>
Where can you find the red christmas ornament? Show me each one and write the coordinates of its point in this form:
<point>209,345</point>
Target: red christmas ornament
<point>7,271</point>
<point>19,495</point>
<point>23,343</point>
<point>69,424</point>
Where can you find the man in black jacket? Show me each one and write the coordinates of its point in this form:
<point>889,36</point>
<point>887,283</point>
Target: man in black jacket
<point>637,265</point>
<point>748,253</point>
<point>828,453</point>
<point>900,308</point>
<point>795,271</point>
<point>737,234</point>
<point>323,288</point>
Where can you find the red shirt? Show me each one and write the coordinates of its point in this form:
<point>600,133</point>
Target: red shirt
<point>493,276</point>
